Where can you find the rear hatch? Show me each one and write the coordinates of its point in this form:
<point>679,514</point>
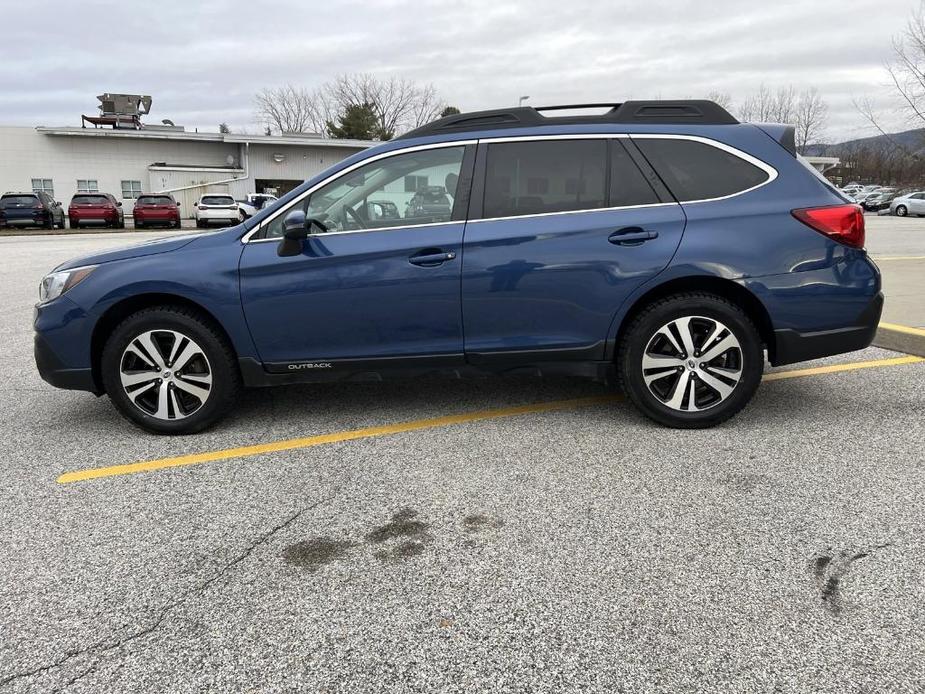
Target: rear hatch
<point>22,209</point>
<point>155,207</point>
<point>89,208</point>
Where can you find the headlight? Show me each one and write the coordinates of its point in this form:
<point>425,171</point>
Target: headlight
<point>55,284</point>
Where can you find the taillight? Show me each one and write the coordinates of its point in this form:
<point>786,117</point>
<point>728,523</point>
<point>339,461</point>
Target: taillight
<point>842,223</point>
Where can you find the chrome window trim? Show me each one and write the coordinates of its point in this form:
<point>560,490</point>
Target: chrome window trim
<point>247,238</point>
<point>771,172</point>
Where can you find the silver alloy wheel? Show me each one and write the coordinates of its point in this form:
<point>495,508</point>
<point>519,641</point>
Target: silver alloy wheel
<point>166,374</point>
<point>692,363</point>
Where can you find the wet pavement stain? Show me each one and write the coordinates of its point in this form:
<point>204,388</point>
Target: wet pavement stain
<point>402,525</point>
<point>829,570</point>
<point>317,552</point>
<point>479,522</point>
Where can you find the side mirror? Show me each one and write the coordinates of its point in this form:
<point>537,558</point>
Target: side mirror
<point>118,204</point>
<point>178,204</point>
<point>296,227</point>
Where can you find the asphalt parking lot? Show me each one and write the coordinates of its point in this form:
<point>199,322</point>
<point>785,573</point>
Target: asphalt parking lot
<point>543,537</point>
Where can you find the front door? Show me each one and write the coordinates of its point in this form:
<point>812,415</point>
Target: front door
<point>568,229</point>
<point>382,282</point>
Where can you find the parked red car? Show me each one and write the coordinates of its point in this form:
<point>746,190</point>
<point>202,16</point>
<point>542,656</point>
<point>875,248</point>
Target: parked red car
<point>156,209</point>
<point>95,208</point>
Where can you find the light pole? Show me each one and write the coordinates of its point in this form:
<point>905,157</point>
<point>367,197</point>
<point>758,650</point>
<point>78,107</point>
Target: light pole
<point>522,100</point>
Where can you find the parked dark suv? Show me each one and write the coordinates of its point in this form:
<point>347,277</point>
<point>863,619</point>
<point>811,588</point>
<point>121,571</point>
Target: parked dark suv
<point>663,245</point>
<point>30,210</point>
<point>95,209</point>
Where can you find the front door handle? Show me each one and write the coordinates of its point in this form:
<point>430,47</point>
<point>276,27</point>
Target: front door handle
<point>431,257</point>
<point>631,236</point>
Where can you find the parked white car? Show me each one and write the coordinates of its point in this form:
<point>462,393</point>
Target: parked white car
<point>911,203</point>
<point>254,202</point>
<point>216,208</point>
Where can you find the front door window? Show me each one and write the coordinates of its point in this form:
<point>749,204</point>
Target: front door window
<point>376,196</point>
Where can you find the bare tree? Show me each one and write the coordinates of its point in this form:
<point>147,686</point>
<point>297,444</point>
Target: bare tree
<point>723,99</point>
<point>810,114</point>
<point>765,106</point>
<point>288,109</point>
<point>399,104</point>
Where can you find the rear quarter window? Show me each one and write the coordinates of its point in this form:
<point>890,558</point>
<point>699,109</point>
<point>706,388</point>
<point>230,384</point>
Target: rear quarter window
<point>697,171</point>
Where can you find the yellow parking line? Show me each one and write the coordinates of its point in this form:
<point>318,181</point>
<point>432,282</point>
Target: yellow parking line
<point>904,329</point>
<point>418,424</point>
<point>880,259</point>
<point>835,368</point>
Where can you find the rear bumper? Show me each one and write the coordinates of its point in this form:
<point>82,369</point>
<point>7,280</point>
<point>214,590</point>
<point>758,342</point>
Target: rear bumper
<point>793,346</point>
<point>53,371</point>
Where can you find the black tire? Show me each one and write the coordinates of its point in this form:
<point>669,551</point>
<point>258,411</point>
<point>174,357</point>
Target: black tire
<point>223,368</point>
<point>901,210</point>
<point>75,225</point>
<point>139,225</point>
<point>644,328</point>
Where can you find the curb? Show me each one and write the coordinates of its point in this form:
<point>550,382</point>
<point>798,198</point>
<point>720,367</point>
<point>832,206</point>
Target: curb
<point>901,338</point>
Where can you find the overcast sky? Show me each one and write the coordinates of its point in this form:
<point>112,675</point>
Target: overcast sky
<point>202,62</point>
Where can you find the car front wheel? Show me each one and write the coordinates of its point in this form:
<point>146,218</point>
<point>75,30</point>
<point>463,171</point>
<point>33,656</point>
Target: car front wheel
<point>901,211</point>
<point>691,360</point>
<point>170,371</point>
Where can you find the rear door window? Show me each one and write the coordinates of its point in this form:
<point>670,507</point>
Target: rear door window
<point>627,184</point>
<point>545,176</point>
<point>697,171</point>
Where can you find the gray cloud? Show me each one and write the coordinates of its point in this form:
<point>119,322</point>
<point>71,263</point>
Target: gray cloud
<point>202,62</point>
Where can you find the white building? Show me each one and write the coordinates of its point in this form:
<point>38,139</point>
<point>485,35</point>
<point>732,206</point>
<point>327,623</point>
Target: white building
<point>126,162</point>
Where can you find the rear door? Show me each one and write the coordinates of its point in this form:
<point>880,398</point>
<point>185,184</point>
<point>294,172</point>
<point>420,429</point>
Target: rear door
<point>561,231</point>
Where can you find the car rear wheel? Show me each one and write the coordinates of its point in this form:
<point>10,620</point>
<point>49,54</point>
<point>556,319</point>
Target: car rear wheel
<point>901,211</point>
<point>691,360</point>
<point>169,371</point>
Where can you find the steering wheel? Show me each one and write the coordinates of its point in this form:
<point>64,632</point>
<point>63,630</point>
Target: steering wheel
<point>348,211</point>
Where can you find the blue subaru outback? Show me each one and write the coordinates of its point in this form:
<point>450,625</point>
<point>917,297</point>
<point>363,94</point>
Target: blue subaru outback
<point>662,245</point>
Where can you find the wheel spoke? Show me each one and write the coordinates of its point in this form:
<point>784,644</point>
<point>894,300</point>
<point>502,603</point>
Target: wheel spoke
<point>140,391</point>
<point>684,327</point>
<point>197,391</point>
<point>723,345</point>
<point>668,335</point>
<point>717,329</point>
<point>137,378</point>
<point>176,405</point>
<point>719,386</point>
<point>200,379</point>
<point>189,351</point>
<point>680,388</point>
<point>657,361</point>
<point>162,411</point>
<point>147,343</point>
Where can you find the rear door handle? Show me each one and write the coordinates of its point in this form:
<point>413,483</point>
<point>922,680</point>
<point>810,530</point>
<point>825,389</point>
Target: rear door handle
<point>431,257</point>
<point>631,236</point>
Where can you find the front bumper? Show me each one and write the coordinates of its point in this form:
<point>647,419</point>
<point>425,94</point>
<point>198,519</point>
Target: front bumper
<point>793,346</point>
<point>53,371</point>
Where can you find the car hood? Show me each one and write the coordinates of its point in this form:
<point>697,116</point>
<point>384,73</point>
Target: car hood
<point>154,247</point>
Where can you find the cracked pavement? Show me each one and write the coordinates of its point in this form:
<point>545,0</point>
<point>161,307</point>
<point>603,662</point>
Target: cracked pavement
<point>579,550</point>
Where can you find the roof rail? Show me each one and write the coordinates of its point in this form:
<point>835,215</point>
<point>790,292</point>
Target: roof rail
<point>694,111</point>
